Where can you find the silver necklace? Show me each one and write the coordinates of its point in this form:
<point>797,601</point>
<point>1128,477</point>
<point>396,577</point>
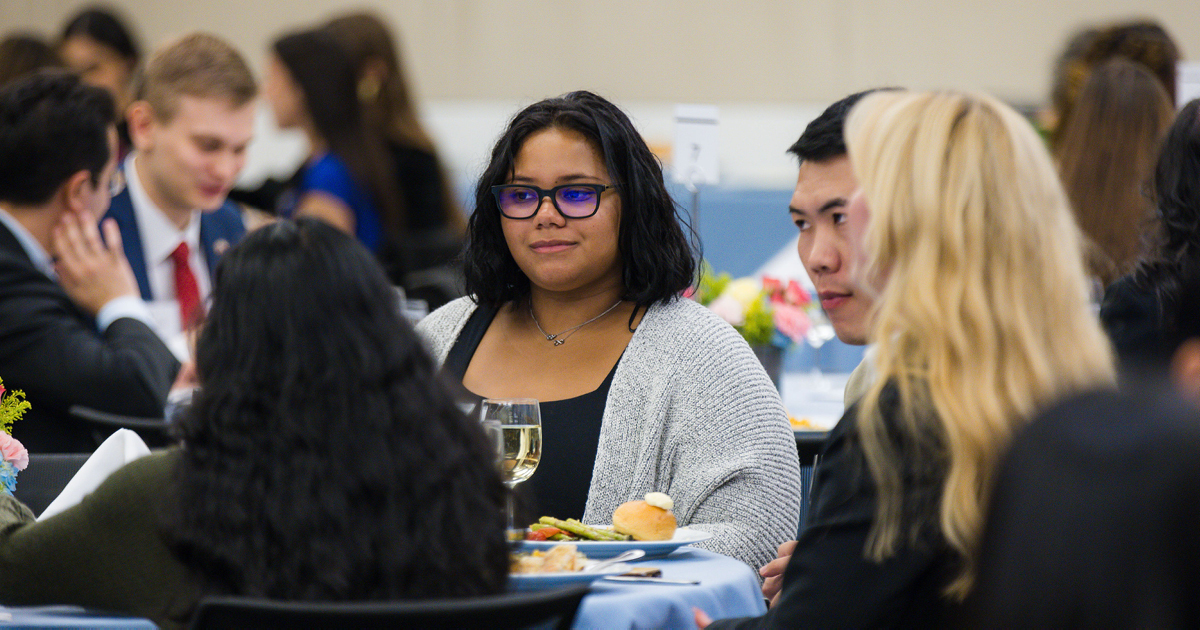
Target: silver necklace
<point>559,338</point>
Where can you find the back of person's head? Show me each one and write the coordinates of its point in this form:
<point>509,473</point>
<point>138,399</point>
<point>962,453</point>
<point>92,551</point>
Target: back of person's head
<point>1106,157</point>
<point>824,138</point>
<point>382,82</point>
<point>1143,42</point>
<point>324,458</point>
<point>658,258</point>
<point>198,65</point>
<point>983,316</point>
<point>1177,186</point>
<point>326,76</point>
<point>103,26</point>
<point>51,127</point>
<point>25,53</point>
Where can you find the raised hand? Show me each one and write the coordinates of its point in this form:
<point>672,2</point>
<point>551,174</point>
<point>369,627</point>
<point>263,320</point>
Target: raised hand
<point>92,271</point>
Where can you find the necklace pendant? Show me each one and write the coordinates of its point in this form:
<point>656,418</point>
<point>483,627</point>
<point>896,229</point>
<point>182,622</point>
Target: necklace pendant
<point>559,342</point>
<point>551,338</point>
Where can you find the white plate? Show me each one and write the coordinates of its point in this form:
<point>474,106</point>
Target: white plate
<point>539,581</point>
<point>598,549</point>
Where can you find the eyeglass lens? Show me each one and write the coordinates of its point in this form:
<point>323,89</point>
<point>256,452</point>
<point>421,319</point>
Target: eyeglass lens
<point>572,200</point>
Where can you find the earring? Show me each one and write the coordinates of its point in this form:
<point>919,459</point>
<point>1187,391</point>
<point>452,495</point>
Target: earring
<point>368,89</point>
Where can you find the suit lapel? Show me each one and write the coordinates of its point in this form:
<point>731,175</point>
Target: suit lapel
<point>131,237</point>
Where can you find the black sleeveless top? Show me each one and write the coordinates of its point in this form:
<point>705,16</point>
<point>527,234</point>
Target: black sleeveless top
<point>570,434</point>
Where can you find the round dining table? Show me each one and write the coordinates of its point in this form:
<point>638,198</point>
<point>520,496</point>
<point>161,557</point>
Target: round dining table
<point>727,588</point>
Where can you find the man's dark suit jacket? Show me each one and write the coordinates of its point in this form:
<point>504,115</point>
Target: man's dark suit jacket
<point>51,349</point>
<point>219,229</point>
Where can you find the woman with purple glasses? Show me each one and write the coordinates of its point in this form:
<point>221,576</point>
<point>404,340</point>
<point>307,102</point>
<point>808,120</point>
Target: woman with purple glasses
<point>575,264</point>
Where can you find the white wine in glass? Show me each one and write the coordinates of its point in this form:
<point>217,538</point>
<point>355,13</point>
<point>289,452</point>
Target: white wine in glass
<point>515,424</point>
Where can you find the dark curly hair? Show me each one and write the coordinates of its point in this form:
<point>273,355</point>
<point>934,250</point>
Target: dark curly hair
<point>322,458</point>
<point>658,249</point>
<point>1177,194</point>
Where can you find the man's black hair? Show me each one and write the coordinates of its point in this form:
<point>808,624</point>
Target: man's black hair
<point>51,127</point>
<point>823,139</point>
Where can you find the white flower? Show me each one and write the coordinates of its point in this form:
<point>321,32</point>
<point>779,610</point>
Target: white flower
<point>745,290</point>
<point>729,309</point>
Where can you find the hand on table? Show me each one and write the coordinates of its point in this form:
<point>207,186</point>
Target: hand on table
<point>773,571</point>
<point>702,619</point>
<point>92,271</point>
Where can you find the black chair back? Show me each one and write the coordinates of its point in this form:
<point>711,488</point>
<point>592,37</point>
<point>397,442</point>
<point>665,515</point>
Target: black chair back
<point>46,476</point>
<point>155,432</point>
<point>543,609</point>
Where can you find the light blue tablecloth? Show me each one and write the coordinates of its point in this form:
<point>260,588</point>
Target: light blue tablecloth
<point>67,617</point>
<point>728,588</point>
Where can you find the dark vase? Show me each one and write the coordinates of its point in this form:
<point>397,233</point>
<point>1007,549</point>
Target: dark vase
<point>771,357</point>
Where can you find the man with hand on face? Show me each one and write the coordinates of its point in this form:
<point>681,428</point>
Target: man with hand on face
<point>190,127</point>
<point>73,330</point>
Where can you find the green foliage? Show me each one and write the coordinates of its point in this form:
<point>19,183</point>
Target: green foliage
<point>12,406</point>
<point>759,327</point>
<point>710,285</point>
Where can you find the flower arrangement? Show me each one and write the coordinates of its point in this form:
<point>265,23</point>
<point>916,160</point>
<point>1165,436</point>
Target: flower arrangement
<point>15,458</point>
<point>766,312</point>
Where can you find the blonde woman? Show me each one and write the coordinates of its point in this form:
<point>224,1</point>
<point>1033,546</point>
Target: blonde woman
<point>981,319</point>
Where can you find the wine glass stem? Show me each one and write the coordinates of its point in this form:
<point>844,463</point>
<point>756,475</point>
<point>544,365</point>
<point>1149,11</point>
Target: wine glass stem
<point>508,507</point>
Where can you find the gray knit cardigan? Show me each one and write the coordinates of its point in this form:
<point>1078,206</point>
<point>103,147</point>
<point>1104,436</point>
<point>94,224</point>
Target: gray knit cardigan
<point>691,413</point>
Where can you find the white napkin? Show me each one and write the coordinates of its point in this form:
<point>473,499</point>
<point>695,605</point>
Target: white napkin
<point>119,449</point>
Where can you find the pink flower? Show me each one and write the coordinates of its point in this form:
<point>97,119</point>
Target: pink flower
<point>795,294</point>
<point>13,452</point>
<point>792,321</point>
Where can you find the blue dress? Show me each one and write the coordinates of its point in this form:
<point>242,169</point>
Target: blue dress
<point>328,174</point>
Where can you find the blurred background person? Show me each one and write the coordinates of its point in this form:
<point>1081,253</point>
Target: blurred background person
<point>99,45</point>
<point>1094,517</point>
<point>24,53</point>
<point>1106,153</point>
<point>435,223</point>
<point>73,330</point>
<point>576,263</point>
<point>315,467</point>
<point>1144,42</point>
<point>982,319</point>
<point>1138,309</point>
<point>348,178</point>
<point>191,126</point>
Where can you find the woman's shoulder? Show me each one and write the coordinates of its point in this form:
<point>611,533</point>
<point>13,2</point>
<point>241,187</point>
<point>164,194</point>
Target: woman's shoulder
<point>686,338</point>
<point>692,328</point>
<point>440,328</point>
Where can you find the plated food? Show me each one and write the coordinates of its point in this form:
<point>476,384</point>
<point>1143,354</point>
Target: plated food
<point>556,560</point>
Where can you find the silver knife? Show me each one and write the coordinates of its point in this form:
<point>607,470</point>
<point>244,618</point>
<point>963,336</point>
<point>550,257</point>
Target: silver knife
<point>657,580</point>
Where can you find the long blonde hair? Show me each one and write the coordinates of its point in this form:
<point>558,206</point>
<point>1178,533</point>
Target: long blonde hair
<point>983,316</point>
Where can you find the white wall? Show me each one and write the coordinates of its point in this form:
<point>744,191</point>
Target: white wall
<point>770,64</point>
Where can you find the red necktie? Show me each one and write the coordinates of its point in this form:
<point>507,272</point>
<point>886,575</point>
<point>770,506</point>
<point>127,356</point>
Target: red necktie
<point>186,289</point>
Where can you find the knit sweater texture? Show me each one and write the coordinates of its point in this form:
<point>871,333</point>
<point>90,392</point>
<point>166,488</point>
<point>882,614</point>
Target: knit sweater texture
<point>691,413</point>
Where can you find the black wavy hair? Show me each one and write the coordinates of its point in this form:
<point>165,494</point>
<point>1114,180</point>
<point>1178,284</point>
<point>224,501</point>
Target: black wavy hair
<point>103,25</point>
<point>323,458</point>
<point>658,249</point>
<point>51,126</point>
<point>1177,197</point>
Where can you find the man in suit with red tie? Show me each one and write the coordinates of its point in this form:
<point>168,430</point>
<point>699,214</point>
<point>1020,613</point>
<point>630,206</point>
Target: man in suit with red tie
<point>190,127</point>
<point>73,330</point>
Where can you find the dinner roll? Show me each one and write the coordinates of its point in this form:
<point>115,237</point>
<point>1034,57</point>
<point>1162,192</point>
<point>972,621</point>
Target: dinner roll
<point>644,521</point>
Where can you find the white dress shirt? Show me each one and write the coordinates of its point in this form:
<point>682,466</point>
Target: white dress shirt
<point>160,237</point>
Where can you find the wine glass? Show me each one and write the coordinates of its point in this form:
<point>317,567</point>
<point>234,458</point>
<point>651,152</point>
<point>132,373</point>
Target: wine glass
<point>515,424</point>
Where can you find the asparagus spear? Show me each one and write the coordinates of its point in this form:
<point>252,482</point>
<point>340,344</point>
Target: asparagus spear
<point>581,530</point>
